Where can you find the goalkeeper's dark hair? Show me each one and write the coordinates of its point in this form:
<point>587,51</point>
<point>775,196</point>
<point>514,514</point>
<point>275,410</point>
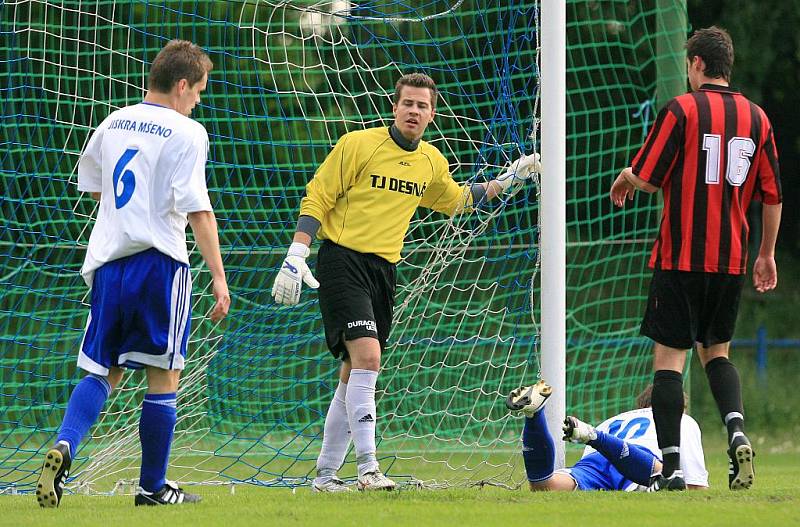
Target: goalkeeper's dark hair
<point>645,399</point>
<point>179,59</point>
<point>416,80</point>
<point>714,45</point>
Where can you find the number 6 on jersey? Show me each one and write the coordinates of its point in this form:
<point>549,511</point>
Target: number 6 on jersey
<point>124,182</point>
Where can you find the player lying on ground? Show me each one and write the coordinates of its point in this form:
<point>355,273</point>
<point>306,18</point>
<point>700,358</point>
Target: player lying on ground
<point>621,453</point>
<point>146,164</point>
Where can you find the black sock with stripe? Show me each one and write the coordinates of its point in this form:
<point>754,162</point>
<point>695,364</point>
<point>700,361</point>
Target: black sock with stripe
<point>667,400</point>
<point>723,379</point>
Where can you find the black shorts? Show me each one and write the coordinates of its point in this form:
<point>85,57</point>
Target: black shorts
<point>687,307</point>
<point>356,295</point>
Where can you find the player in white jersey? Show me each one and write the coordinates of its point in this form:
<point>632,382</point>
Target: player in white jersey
<point>146,165</point>
<point>621,453</point>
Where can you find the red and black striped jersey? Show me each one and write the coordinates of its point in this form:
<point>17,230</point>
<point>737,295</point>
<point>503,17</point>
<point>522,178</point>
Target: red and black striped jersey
<point>711,152</point>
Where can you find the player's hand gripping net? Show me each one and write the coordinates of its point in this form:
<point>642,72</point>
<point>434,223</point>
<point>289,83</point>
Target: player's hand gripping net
<point>519,172</point>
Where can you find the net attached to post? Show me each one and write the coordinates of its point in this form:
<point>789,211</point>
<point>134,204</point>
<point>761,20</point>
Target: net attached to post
<point>289,79</point>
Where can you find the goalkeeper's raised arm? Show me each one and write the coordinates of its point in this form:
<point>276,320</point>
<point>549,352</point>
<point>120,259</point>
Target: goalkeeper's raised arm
<point>360,204</point>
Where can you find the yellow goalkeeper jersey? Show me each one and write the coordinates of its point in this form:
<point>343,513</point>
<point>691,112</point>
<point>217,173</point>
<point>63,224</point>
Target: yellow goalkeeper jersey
<point>367,189</point>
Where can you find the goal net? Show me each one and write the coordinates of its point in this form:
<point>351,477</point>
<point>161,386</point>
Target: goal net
<point>289,79</point>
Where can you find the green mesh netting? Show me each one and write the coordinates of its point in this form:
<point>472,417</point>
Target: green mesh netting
<point>289,79</point>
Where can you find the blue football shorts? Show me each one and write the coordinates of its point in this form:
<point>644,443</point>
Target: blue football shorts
<point>594,472</point>
<point>140,314</point>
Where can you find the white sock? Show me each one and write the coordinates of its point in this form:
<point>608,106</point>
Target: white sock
<point>62,442</point>
<point>335,436</point>
<point>361,414</point>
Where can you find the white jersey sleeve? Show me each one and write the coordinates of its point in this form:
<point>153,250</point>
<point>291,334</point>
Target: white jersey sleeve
<point>693,463</point>
<point>638,427</point>
<point>189,179</point>
<point>90,166</point>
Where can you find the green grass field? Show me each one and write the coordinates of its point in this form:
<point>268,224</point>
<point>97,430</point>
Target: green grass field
<point>775,500</point>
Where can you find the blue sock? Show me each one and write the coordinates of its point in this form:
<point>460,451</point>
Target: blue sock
<point>632,461</point>
<point>84,407</point>
<point>538,450</point>
<point>156,427</point>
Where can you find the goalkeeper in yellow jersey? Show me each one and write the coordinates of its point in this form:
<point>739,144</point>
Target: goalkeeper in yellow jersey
<point>360,203</point>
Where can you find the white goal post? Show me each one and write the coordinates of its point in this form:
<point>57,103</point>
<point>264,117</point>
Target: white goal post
<point>553,212</point>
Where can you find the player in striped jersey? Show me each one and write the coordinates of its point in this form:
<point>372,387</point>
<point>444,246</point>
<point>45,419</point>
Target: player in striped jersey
<point>146,165</point>
<point>360,203</point>
<point>711,152</point>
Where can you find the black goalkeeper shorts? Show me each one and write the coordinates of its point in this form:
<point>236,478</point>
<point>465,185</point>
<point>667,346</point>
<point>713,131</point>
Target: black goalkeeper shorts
<point>686,307</point>
<point>356,296</point>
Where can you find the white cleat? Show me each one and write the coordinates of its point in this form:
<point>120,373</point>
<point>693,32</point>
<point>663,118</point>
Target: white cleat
<point>375,481</point>
<point>576,431</point>
<point>529,399</point>
<point>333,484</point>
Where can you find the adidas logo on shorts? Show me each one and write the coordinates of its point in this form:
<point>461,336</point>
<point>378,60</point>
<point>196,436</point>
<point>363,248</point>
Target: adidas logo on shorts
<point>367,419</point>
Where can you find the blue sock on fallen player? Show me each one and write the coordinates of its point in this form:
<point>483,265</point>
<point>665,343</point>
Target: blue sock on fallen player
<point>632,461</point>
<point>84,407</point>
<point>156,428</point>
<point>538,450</point>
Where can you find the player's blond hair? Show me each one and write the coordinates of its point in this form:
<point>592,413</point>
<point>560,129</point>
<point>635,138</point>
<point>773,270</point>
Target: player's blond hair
<point>179,59</point>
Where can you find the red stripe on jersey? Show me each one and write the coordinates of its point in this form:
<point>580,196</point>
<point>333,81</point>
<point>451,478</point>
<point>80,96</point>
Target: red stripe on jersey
<point>689,182</point>
<point>662,249</point>
<point>769,172</point>
<point>759,122</point>
<point>738,216</point>
<point>714,200</point>
<point>656,140</point>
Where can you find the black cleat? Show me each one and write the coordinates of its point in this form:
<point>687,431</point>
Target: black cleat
<point>741,472</point>
<point>170,494</point>
<point>674,482</point>
<point>55,472</point>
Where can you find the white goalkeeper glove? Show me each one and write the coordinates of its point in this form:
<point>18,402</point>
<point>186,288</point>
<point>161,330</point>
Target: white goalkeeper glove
<point>292,273</point>
<point>518,173</point>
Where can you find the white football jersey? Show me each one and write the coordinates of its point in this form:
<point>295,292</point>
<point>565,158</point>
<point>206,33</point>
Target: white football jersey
<point>149,164</point>
<point>637,427</point>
